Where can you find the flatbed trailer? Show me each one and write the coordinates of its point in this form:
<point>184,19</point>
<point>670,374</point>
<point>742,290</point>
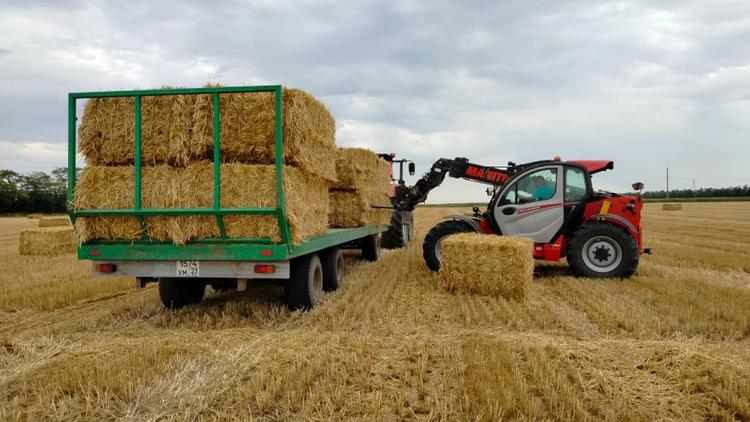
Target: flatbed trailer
<point>183,271</point>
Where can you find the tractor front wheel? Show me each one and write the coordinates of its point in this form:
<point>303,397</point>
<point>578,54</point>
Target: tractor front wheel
<point>431,245</point>
<point>601,249</point>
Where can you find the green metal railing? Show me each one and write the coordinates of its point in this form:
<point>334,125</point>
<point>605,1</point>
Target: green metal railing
<point>216,210</point>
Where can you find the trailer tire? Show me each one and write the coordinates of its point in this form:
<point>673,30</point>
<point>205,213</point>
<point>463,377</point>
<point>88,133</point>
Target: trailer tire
<point>600,249</point>
<point>333,268</point>
<point>371,248</point>
<point>431,245</point>
<point>305,285</point>
<point>176,293</point>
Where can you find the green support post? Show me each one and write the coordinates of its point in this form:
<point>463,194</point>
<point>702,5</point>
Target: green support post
<point>137,166</point>
<point>71,155</point>
<point>280,198</point>
<point>217,165</point>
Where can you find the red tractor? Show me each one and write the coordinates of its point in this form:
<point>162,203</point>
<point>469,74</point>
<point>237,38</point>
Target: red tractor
<point>551,202</point>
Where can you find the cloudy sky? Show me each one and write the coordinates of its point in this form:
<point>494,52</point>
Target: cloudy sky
<point>650,84</point>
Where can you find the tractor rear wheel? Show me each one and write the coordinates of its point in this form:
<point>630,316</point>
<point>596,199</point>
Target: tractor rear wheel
<point>176,293</point>
<point>400,231</point>
<point>601,249</point>
<point>431,245</point>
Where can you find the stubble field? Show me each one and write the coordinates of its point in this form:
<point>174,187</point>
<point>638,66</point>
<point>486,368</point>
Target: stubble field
<point>673,342</point>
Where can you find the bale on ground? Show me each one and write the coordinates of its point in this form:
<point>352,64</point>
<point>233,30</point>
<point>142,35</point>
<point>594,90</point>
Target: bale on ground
<point>248,130</point>
<point>242,185</point>
<point>47,241</point>
<point>106,134</point>
<point>355,208</point>
<point>358,168</point>
<point>34,216</point>
<point>54,221</point>
<point>671,207</point>
<point>485,264</point>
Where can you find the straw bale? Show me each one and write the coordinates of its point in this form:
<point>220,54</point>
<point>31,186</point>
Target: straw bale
<point>54,221</point>
<point>106,134</point>
<point>358,168</point>
<point>248,130</point>
<point>354,208</point>
<point>671,207</point>
<point>34,216</point>
<point>47,241</point>
<point>492,265</point>
<point>242,185</point>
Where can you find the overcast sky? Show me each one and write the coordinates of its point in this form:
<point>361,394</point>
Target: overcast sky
<point>650,84</point>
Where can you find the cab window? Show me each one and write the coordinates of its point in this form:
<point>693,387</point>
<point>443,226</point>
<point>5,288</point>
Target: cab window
<point>575,184</point>
<point>537,186</point>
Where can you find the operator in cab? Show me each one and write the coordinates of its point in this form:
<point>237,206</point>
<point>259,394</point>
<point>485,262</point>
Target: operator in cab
<point>543,191</point>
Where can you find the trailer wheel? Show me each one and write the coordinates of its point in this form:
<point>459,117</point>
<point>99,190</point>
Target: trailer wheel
<point>431,245</point>
<point>602,250</point>
<point>305,286</point>
<point>371,248</point>
<point>333,268</point>
<point>176,293</point>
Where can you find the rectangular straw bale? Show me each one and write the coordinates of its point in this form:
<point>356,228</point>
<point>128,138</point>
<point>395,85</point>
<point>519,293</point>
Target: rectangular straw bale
<point>354,208</point>
<point>106,133</point>
<point>34,216</point>
<point>499,266</point>
<point>242,185</point>
<point>671,207</point>
<point>359,168</point>
<point>54,221</point>
<point>47,241</point>
<point>248,130</point>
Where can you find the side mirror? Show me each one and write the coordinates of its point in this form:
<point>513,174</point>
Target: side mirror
<point>412,169</point>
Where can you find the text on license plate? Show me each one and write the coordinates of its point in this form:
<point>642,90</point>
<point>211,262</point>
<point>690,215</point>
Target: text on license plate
<point>188,269</point>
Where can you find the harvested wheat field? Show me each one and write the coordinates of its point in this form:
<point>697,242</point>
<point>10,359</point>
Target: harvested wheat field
<point>671,343</point>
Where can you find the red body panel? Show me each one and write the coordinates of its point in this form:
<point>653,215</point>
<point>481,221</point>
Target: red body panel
<point>624,211</point>
<point>594,166</point>
<point>550,251</point>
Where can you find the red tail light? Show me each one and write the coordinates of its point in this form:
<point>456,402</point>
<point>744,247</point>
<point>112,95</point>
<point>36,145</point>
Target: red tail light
<point>265,269</point>
<point>106,268</point>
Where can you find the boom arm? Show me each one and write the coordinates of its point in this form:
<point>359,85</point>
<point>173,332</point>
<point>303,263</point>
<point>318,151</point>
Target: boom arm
<point>459,168</point>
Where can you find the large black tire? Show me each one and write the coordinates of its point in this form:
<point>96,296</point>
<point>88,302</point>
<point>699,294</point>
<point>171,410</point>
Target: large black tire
<point>371,248</point>
<point>400,231</point>
<point>431,245</point>
<point>305,285</point>
<point>600,249</point>
<point>176,293</point>
<point>333,268</point>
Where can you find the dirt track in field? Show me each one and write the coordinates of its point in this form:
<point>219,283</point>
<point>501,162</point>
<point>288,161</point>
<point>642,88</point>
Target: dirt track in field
<point>671,343</point>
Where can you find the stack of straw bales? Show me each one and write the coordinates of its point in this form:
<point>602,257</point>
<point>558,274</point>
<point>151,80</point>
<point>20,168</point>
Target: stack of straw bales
<point>177,146</point>
<point>47,241</point>
<point>54,221</point>
<point>671,207</point>
<point>363,182</point>
<point>484,264</point>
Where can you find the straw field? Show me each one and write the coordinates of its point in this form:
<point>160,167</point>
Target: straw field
<point>671,343</point>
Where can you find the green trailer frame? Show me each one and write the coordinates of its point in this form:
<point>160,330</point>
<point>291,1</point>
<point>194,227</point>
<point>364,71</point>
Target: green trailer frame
<point>213,249</point>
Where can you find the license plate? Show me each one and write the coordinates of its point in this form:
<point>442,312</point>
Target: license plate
<point>188,269</point>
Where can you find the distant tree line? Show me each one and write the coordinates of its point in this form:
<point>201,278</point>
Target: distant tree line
<point>33,192</point>
<point>729,192</point>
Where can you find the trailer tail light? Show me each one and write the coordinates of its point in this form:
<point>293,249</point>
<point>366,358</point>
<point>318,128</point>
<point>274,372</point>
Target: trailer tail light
<point>106,268</point>
<point>266,252</point>
<point>265,269</point>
